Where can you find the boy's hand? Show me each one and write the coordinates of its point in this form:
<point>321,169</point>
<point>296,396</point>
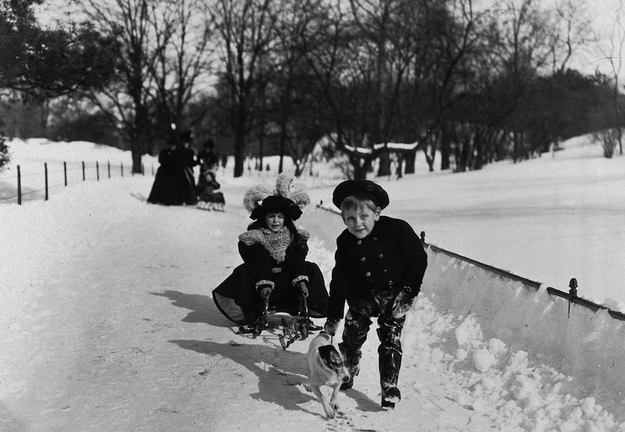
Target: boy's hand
<point>331,326</point>
<point>403,303</point>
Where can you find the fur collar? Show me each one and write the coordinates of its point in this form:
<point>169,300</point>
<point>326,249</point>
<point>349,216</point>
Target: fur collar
<point>274,243</point>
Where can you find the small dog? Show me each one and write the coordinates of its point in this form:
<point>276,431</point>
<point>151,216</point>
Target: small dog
<point>326,367</point>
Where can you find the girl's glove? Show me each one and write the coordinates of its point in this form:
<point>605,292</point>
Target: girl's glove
<point>403,302</point>
<point>303,289</point>
<point>331,326</point>
<point>265,292</point>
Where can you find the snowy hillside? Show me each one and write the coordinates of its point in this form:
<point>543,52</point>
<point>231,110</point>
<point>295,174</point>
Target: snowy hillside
<point>108,324</point>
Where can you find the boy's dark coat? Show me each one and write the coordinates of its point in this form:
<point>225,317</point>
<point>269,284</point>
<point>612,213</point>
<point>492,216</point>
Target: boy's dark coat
<point>389,258</point>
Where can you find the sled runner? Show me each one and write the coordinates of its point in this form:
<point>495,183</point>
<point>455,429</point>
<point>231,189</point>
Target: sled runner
<point>289,327</point>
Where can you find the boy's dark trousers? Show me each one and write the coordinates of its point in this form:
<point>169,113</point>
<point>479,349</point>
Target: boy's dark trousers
<point>357,324</point>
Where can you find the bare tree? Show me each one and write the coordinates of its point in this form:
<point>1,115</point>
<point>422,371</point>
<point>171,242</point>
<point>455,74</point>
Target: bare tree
<point>569,31</point>
<point>612,48</point>
<point>290,104</point>
<point>519,44</point>
<point>182,67</point>
<point>161,58</point>
<point>126,103</point>
<point>247,30</point>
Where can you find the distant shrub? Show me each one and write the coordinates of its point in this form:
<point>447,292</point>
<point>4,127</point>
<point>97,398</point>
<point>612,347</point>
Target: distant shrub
<point>609,139</point>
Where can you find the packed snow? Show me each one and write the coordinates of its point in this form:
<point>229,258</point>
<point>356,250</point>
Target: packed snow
<point>108,324</point>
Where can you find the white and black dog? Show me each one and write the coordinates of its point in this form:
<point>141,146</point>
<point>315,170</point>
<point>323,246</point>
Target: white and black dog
<point>326,367</point>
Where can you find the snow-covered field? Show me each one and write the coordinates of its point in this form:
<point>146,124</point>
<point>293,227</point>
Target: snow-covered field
<point>107,323</point>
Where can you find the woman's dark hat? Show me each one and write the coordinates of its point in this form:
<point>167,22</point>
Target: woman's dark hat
<point>360,188</point>
<point>185,136</point>
<point>277,204</point>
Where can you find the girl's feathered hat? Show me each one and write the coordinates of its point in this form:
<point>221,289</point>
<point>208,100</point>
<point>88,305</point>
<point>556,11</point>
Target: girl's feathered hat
<point>260,201</point>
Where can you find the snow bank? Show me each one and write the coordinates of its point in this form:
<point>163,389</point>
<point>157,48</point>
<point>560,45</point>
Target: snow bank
<point>513,352</point>
<point>587,344</point>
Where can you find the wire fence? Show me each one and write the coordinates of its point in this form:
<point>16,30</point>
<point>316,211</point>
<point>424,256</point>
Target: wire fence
<point>35,182</point>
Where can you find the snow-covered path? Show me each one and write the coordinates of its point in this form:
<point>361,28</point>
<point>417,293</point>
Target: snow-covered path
<point>117,332</point>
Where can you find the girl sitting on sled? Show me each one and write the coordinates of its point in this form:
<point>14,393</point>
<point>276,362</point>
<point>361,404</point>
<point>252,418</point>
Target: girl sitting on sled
<point>274,260</point>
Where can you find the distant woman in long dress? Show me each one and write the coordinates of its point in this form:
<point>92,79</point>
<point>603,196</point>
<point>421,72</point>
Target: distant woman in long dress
<point>174,183</point>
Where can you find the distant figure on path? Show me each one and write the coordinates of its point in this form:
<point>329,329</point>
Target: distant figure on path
<point>209,198</point>
<point>207,158</point>
<point>174,183</point>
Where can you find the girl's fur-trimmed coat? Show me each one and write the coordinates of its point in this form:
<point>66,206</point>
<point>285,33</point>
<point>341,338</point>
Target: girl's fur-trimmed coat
<point>271,259</point>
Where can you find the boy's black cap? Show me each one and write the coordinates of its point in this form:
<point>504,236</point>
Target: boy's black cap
<point>361,188</point>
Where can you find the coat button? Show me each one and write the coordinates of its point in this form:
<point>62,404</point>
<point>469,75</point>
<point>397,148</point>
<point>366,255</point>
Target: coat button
<point>359,242</point>
<point>385,271</point>
<point>381,256</point>
<point>363,259</point>
<point>368,274</point>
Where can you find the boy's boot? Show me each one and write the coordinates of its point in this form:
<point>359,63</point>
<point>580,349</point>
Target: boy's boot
<point>390,362</point>
<point>354,336</point>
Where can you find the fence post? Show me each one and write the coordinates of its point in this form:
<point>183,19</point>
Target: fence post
<point>83,170</point>
<point>65,172</point>
<point>19,185</point>
<point>121,164</point>
<point>97,170</point>
<point>572,293</point>
<point>45,169</point>
<point>142,169</point>
<point>108,167</point>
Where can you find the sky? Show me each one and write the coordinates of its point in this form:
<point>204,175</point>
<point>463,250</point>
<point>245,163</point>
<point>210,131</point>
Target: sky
<point>108,324</point>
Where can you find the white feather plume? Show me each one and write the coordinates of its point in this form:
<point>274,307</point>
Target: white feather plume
<point>254,197</point>
<point>284,186</point>
<point>300,198</point>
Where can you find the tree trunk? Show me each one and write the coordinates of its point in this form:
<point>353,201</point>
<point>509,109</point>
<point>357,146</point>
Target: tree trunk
<point>385,165</point>
<point>411,159</point>
<point>445,145</point>
<point>239,127</point>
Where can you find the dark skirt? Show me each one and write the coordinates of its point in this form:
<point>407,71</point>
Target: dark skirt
<point>237,298</point>
<point>173,187</point>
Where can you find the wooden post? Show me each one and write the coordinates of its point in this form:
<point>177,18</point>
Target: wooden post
<point>572,293</point>
<point>97,170</point>
<point>45,169</point>
<point>108,167</point>
<point>65,172</point>
<point>19,185</point>
<point>83,170</point>
<point>122,166</point>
